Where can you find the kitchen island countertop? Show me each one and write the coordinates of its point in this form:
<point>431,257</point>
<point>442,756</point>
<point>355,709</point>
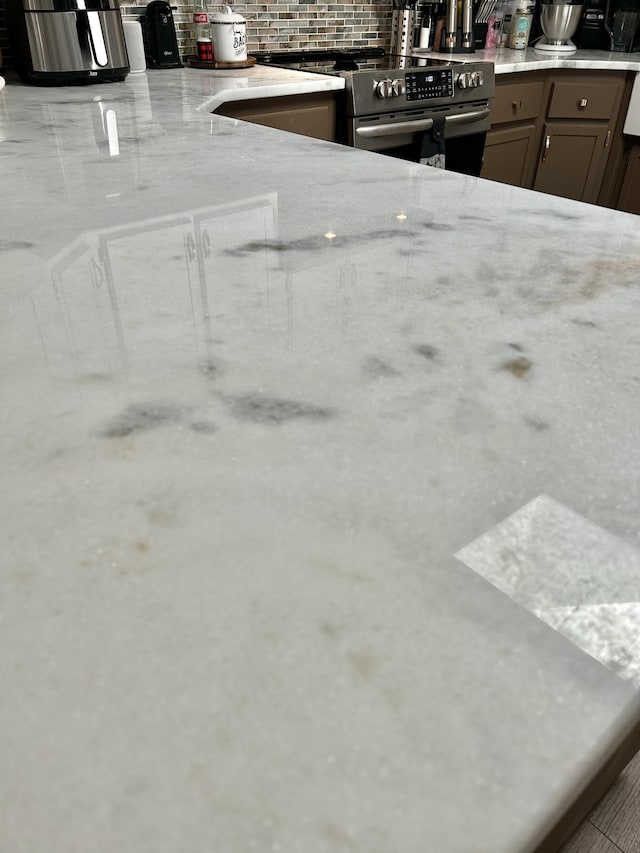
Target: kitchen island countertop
<point>266,405</point>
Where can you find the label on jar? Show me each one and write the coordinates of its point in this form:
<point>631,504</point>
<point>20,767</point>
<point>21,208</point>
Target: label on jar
<point>239,38</point>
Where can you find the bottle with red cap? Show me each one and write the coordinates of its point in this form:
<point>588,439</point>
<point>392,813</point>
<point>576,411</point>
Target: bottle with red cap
<point>204,45</point>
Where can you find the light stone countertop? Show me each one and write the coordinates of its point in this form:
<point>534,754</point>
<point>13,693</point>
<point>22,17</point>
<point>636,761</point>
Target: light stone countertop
<point>269,408</point>
<point>507,60</point>
<point>211,89</point>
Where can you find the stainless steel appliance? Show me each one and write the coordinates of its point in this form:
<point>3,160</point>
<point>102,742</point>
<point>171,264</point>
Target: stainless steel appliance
<point>67,41</point>
<point>407,107</point>
<point>559,19</point>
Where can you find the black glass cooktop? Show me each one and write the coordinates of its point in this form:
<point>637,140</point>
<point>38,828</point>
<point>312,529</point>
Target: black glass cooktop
<point>349,59</point>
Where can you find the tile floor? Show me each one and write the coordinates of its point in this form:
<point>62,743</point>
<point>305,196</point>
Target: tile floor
<point>614,825</point>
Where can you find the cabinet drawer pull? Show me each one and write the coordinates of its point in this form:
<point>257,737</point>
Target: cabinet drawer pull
<point>582,103</point>
<point>547,145</point>
<point>607,139</point>
<point>516,105</point>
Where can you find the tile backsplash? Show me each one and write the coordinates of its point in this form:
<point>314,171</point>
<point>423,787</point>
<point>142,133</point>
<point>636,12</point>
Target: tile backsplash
<point>287,26</point>
<point>282,25</point>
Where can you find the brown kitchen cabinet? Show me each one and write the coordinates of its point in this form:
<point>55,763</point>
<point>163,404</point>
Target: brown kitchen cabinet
<point>618,152</point>
<point>509,155</point>
<point>311,115</point>
<point>552,130</point>
<point>512,143</point>
<point>629,198</point>
<point>573,159</point>
<point>581,113</point>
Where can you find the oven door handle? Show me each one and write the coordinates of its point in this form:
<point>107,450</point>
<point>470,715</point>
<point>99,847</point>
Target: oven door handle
<point>418,125</point>
<point>464,118</point>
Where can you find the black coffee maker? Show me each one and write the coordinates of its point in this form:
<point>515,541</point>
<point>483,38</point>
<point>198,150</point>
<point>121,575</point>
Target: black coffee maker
<point>593,31</point>
<point>610,25</point>
<point>159,34</point>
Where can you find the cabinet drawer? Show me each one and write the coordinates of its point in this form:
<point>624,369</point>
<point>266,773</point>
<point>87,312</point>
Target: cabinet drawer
<point>517,102</point>
<point>586,100</point>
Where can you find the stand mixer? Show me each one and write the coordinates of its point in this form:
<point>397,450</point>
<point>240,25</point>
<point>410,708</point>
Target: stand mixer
<point>559,19</point>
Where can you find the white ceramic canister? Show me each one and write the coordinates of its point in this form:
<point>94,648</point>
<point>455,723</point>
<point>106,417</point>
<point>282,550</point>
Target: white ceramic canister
<point>229,32</point>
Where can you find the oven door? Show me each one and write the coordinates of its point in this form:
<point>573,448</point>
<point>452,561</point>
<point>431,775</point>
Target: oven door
<point>403,134</point>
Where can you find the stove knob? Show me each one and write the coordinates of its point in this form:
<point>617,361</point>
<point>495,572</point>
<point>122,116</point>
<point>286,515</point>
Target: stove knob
<point>383,88</point>
<point>477,79</point>
<point>397,88</point>
<point>464,80</point>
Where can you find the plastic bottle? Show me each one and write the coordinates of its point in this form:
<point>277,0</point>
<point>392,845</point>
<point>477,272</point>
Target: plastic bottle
<point>494,30</point>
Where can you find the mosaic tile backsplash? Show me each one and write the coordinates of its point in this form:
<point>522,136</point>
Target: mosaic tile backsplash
<point>286,26</point>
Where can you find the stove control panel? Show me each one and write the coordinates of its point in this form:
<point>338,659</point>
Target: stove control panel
<point>424,85</point>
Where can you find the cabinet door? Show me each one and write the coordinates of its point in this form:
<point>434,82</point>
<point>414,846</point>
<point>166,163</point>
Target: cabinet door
<point>509,155</point>
<point>572,160</point>
<point>630,193</point>
<point>314,121</point>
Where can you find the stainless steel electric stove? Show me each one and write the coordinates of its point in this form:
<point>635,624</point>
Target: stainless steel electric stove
<point>405,106</point>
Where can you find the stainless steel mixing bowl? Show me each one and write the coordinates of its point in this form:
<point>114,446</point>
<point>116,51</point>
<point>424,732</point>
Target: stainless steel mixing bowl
<point>559,21</point>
